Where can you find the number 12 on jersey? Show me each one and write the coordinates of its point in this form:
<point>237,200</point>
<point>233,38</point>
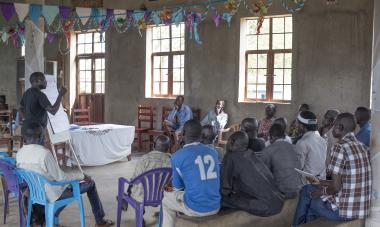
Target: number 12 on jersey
<point>206,160</point>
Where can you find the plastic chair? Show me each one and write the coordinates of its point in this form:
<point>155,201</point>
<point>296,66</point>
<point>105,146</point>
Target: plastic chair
<point>10,185</point>
<point>37,195</point>
<point>153,182</point>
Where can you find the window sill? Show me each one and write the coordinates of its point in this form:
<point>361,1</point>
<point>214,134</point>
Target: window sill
<point>162,97</point>
<point>266,102</point>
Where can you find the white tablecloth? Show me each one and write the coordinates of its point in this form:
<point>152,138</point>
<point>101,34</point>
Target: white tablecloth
<point>102,144</point>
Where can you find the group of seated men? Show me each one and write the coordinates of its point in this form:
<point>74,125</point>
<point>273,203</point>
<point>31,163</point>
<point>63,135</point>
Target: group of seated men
<point>257,172</point>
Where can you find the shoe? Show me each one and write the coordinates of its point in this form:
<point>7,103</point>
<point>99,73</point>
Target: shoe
<point>105,223</point>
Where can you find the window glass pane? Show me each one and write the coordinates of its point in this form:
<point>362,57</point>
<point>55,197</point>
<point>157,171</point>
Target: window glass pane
<point>98,88</point>
<point>177,61</point>
<point>164,88</point>
<point>288,41</point>
<point>287,76</point>
<point>156,46</point>
<point>279,61</point>
<point>262,75</point>
<point>88,48</point>
<point>176,44</point>
<point>88,38</point>
<point>263,42</point>
<point>278,92</point>
<point>88,87</point>
<point>278,41</point>
<point>88,64</point>
<point>265,27</point>
<point>88,76</point>
<point>99,76</point>
<point>165,32</point>
<point>99,63</point>
<point>82,64</point>
<point>80,49</point>
<point>287,92</point>
<point>182,44</point>
<point>261,91</point>
<point>99,37</point>
<point>97,48</point>
<point>252,61</point>
<point>176,74</point>
<point>182,88</point>
<point>278,77</point>
<point>82,87</point>
<point>251,92</point>
<point>164,62</point>
<point>157,75</point>
<point>251,26</point>
<point>156,88</point>
<point>156,61</point>
<point>176,31</point>
<point>252,76</point>
<point>182,74</point>
<point>288,24</point>
<point>164,75</point>
<point>176,88</point>
<point>288,60</point>
<point>165,45</point>
<point>156,32</point>
<point>82,75</point>
<point>252,42</point>
<point>81,38</point>
<point>262,61</point>
<point>278,25</point>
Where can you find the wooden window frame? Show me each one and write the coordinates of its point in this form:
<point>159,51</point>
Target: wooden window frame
<point>93,56</point>
<point>170,54</point>
<point>270,66</point>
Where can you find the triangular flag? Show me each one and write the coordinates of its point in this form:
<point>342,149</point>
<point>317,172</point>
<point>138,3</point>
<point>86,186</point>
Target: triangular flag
<point>120,14</point>
<point>35,12</point>
<point>21,10</point>
<point>84,14</point>
<point>50,13</point>
<point>65,12</point>
<point>4,36</point>
<point>8,10</point>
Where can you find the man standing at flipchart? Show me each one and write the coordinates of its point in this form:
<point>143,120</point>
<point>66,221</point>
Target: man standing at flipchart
<point>35,104</point>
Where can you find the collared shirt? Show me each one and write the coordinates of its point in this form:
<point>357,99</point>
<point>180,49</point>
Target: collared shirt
<point>216,121</point>
<point>364,134</point>
<point>281,158</point>
<point>196,171</point>
<point>331,141</point>
<point>311,150</point>
<point>180,117</point>
<point>40,160</point>
<point>152,160</point>
<point>350,160</point>
<point>264,126</point>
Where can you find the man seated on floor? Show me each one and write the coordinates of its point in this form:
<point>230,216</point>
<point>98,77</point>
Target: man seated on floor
<point>363,118</point>
<point>281,159</point>
<point>208,138</point>
<point>158,158</point>
<point>284,124</point>
<point>326,131</point>
<point>311,148</point>
<point>250,126</point>
<point>247,184</point>
<point>196,179</point>
<point>266,123</point>
<point>348,195</point>
<point>37,158</point>
<point>177,118</point>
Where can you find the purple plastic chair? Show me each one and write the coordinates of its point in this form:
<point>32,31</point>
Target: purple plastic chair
<point>8,171</point>
<point>153,182</point>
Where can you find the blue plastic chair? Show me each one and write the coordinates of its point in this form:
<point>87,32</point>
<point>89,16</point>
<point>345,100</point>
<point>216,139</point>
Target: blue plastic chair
<point>153,182</point>
<point>37,195</point>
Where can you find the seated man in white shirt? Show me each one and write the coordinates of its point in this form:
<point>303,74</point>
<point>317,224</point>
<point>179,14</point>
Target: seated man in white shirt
<point>311,148</point>
<point>38,159</point>
<point>284,124</point>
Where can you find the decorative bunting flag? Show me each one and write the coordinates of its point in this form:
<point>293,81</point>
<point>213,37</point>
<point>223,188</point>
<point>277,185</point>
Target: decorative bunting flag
<point>8,10</point>
<point>120,14</point>
<point>50,13</point>
<point>65,12</point>
<point>21,10</point>
<point>35,12</point>
<point>84,14</point>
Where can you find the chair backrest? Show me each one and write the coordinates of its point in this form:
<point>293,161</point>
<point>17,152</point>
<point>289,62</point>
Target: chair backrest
<point>153,182</point>
<point>6,117</point>
<point>81,116</point>
<point>8,170</point>
<point>145,114</point>
<point>196,114</point>
<point>165,113</point>
<point>36,184</point>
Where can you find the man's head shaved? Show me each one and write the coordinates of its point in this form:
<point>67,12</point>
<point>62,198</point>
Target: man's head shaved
<point>208,134</point>
<point>347,120</point>
<point>162,143</point>
<point>363,114</point>
<point>238,141</point>
<point>33,133</point>
<point>277,131</point>
<point>249,125</point>
<point>192,131</point>
<point>281,121</point>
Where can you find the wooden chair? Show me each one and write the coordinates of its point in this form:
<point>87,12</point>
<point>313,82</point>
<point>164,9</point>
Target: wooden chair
<point>223,132</point>
<point>6,118</point>
<point>145,120</point>
<point>61,156</point>
<point>81,116</point>
<point>156,132</point>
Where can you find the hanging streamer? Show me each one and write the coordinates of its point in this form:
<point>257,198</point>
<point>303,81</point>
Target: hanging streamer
<point>8,10</point>
<point>65,12</point>
<point>299,5</point>
<point>84,14</point>
<point>35,12</point>
<point>50,13</point>
<point>21,10</point>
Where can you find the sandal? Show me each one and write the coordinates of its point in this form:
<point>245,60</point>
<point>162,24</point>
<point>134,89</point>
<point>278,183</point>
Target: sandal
<point>105,223</point>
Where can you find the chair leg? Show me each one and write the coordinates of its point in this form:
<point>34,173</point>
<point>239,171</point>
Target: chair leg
<point>6,205</point>
<point>20,210</point>
<point>29,213</point>
<point>81,212</point>
<point>139,216</point>
<point>118,214</point>
<point>139,141</point>
<point>49,215</point>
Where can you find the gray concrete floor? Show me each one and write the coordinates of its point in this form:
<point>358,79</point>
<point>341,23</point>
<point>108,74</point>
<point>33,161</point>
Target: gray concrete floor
<point>106,178</point>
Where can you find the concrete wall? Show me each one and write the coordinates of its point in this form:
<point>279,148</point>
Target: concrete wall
<point>8,70</point>
<point>331,64</point>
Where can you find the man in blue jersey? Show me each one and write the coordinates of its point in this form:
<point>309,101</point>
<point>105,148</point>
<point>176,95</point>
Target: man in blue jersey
<point>196,179</point>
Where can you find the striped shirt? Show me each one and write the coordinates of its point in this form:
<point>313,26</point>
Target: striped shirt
<point>350,160</point>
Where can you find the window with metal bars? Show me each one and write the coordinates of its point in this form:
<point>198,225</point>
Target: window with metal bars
<point>267,59</point>
<point>167,56</point>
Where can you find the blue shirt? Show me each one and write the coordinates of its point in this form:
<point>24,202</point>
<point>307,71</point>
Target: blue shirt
<point>364,134</point>
<point>184,114</point>
<point>196,171</point>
